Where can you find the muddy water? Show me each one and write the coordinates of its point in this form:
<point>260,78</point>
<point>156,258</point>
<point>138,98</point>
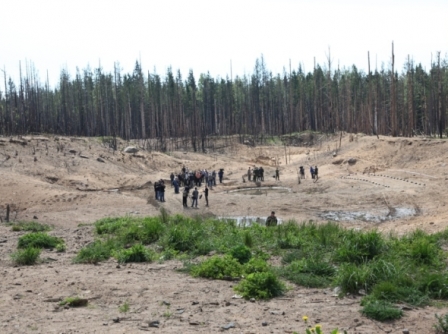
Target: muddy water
<point>376,217</point>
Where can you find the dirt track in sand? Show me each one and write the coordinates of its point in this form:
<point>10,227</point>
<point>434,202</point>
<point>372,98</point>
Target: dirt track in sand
<point>395,185</point>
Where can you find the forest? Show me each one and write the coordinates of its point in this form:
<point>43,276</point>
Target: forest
<point>142,105</point>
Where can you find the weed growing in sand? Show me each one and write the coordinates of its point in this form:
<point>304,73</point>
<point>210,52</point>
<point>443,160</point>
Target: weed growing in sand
<point>261,285</point>
<point>137,253</point>
<point>26,257</point>
<point>124,308</point>
<point>381,310</point>
<point>218,267</point>
<point>241,253</point>
<point>441,326</point>
<point>74,302</point>
<point>39,240</point>
<point>95,252</point>
<point>30,227</point>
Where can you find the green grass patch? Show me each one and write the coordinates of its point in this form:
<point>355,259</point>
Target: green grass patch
<point>261,285</point>
<point>30,227</point>
<point>39,240</point>
<point>381,310</point>
<point>218,267</point>
<point>74,302</point>
<point>137,253</point>
<point>26,257</point>
<point>389,269</point>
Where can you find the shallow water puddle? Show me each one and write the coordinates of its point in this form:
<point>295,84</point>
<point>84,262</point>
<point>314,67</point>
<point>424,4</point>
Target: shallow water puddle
<point>378,217</point>
<point>244,221</point>
<point>261,190</point>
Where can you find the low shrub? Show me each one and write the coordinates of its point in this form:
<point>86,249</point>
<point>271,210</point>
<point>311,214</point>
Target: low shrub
<point>381,310</point>
<point>74,302</point>
<point>394,292</point>
<point>38,240</point>
<point>351,278</point>
<point>264,285</point>
<point>255,265</point>
<point>95,252</point>
<point>359,247</point>
<point>26,257</point>
<point>441,326</point>
<point>30,227</point>
<point>241,253</point>
<point>217,267</point>
<point>137,253</point>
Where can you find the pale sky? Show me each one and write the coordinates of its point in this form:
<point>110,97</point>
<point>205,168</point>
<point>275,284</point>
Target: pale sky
<point>207,35</point>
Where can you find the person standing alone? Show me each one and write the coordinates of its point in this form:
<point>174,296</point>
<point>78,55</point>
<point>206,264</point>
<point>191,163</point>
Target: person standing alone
<point>206,195</point>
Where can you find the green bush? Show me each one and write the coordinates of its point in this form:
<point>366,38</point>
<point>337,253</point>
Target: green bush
<point>255,265</point>
<point>308,273</point>
<point>26,257</point>
<point>95,252</point>
<point>352,278</point>
<point>218,267</point>
<point>441,326</point>
<point>264,285</point>
<point>38,240</point>
<point>394,292</point>
<point>241,253</point>
<point>424,251</point>
<point>137,253</point>
<point>184,236</point>
<point>434,284</point>
<point>30,227</point>
<point>359,247</point>
<point>381,310</point>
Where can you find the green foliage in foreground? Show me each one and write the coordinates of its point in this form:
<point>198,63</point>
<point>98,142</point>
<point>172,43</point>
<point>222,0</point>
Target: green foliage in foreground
<point>39,240</point>
<point>26,257</point>
<point>441,325</point>
<point>381,310</point>
<point>261,285</point>
<point>30,227</point>
<point>137,253</point>
<point>388,269</point>
<point>218,267</point>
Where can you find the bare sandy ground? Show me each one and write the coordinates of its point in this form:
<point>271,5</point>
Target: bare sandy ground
<point>396,185</point>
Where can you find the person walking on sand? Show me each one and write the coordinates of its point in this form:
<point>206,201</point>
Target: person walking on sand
<point>277,174</point>
<point>249,174</point>
<point>271,220</point>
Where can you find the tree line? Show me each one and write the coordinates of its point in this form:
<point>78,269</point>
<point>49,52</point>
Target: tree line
<point>141,105</point>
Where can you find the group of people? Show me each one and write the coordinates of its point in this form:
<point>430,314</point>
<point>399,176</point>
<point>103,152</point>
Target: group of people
<point>314,171</point>
<point>255,174</point>
<point>190,180</point>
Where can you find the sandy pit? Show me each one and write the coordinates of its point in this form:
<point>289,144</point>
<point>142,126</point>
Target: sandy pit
<point>392,184</point>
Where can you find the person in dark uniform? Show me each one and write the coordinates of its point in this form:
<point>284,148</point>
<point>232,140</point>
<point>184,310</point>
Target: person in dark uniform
<point>315,173</point>
<point>220,174</point>
<point>302,172</point>
<point>172,179</point>
<point>185,196</point>
<point>277,174</point>
<point>195,198</point>
<point>271,220</point>
<point>206,195</point>
<point>249,174</point>
<point>176,185</point>
<point>312,172</point>
<point>162,191</point>
<point>261,171</point>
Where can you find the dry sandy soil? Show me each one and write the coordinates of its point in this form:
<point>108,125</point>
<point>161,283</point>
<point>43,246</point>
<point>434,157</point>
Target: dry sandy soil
<point>396,185</point>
